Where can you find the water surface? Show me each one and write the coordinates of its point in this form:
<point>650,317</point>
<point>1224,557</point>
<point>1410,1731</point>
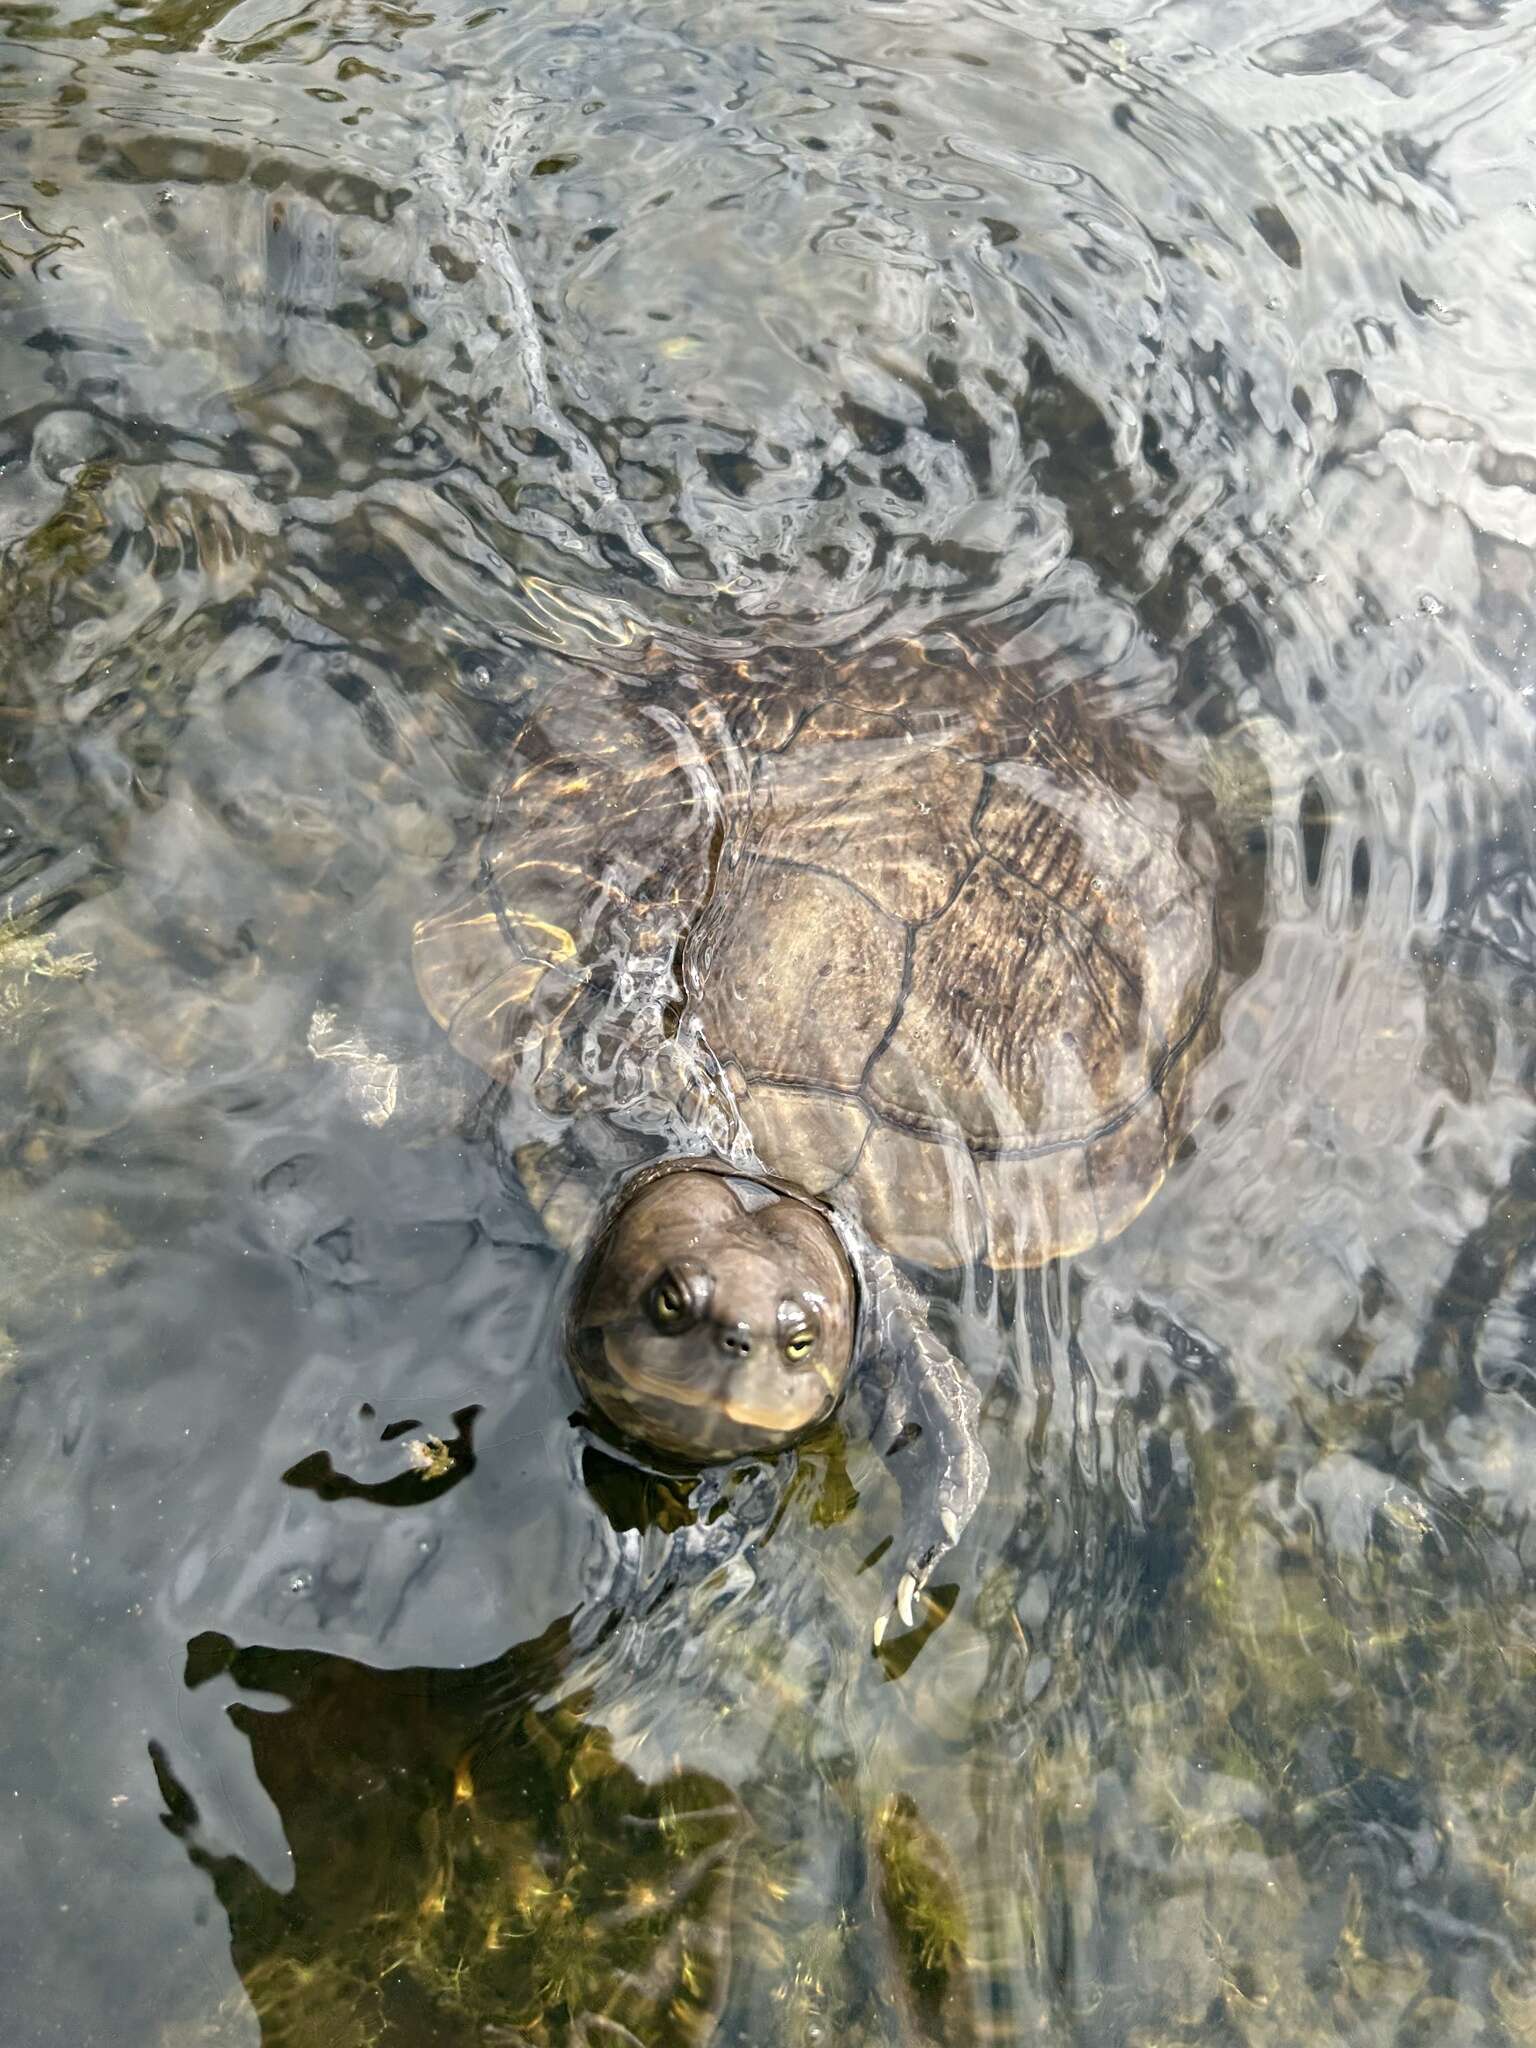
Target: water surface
<point>365,368</point>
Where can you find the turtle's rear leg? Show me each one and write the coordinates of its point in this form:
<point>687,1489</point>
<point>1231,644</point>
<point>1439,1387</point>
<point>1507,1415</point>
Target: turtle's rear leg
<point>563,939</point>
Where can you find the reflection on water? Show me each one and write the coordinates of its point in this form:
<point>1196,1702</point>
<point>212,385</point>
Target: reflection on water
<point>367,370</point>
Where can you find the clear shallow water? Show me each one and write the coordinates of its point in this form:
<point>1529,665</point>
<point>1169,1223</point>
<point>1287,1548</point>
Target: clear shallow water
<point>361,368</point>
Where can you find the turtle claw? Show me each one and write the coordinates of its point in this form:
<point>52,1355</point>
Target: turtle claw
<point>930,1537</point>
<point>910,1588</point>
<point>902,1609</point>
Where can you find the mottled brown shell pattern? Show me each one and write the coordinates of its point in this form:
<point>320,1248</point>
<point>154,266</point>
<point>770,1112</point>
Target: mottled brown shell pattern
<point>949,936</point>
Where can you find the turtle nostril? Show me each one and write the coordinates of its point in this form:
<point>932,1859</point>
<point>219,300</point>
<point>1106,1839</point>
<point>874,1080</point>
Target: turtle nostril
<point>734,1339</point>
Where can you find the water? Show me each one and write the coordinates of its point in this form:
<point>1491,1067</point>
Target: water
<point>363,368</point>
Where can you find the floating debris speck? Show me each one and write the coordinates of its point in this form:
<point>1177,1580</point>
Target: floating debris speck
<point>430,1456</point>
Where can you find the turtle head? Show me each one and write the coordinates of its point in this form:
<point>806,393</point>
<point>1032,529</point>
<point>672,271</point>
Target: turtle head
<point>715,1316</point>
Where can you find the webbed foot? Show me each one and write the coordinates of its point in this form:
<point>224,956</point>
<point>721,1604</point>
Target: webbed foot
<point>925,1417</point>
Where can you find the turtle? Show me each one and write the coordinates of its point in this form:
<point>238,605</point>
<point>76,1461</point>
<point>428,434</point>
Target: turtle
<point>811,981</point>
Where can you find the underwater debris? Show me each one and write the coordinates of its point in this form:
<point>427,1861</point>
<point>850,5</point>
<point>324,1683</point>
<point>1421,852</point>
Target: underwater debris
<point>27,957</point>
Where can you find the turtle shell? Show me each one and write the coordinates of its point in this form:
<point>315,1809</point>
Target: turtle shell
<point>947,934</point>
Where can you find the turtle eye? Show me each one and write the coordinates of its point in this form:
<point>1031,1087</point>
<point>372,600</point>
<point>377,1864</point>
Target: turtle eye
<point>799,1345</point>
<point>668,1304</point>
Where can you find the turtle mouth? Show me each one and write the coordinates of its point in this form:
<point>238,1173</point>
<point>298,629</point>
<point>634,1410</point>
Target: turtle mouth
<point>773,1412</point>
<point>704,1407</point>
<point>700,1410</point>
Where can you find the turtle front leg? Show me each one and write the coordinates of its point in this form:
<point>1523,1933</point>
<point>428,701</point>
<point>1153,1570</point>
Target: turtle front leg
<point>924,1416</point>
